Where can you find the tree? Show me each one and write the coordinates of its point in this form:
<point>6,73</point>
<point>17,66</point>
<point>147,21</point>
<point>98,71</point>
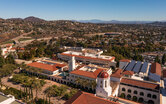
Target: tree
<point>37,86</point>
<point>0,51</point>
<point>10,59</point>
<point>164,59</point>
<point>39,52</point>
<point>157,59</point>
<point>49,92</point>
<point>7,69</point>
<point>93,84</point>
<point>77,81</point>
<point>2,61</point>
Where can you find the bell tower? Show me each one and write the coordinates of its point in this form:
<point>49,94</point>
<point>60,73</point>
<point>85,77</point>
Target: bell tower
<point>103,88</point>
<point>72,64</point>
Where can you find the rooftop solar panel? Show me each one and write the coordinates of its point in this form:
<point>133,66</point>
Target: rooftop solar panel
<point>131,65</point>
<point>137,67</point>
<point>144,67</point>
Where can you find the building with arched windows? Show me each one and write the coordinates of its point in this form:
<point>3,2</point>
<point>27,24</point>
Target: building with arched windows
<point>133,82</point>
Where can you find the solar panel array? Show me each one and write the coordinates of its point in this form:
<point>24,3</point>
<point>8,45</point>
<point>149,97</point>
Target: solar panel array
<point>137,67</point>
<point>144,67</point>
<point>131,65</point>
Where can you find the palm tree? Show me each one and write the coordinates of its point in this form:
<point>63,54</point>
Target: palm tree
<point>77,81</point>
<point>49,92</point>
<point>37,86</point>
<point>84,83</point>
<point>93,84</point>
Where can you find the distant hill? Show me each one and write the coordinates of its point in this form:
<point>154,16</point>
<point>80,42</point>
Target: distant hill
<point>1,19</point>
<point>159,23</point>
<point>33,19</point>
<point>114,21</point>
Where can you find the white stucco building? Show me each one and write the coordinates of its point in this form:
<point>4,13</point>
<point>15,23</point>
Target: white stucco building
<point>86,57</point>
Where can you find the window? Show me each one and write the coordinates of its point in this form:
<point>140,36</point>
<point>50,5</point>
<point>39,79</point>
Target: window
<point>150,102</point>
<point>105,83</point>
<point>149,95</point>
<point>154,97</point>
<point>123,89</point>
<point>140,100</point>
<point>129,90</point>
<point>134,98</point>
<point>141,93</point>
<point>122,95</point>
<point>135,92</point>
<point>128,96</point>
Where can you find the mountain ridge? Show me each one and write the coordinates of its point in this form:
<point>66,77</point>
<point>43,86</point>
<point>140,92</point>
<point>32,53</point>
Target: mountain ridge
<point>95,21</point>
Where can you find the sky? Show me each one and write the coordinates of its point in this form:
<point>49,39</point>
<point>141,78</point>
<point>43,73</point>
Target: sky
<point>125,10</point>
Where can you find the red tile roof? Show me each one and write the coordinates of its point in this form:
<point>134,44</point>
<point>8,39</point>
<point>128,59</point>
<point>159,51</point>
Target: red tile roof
<point>91,58</point>
<point>156,68</point>
<point>46,66</point>
<point>117,73</point>
<point>104,75</point>
<point>140,83</point>
<point>87,98</point>
<point>128,72</point>
<point>87,73</point>
<point>124,60</point>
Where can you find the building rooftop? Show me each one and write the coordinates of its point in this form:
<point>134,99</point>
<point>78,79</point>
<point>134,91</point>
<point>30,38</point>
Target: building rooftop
<point>156,68</point>
<point>127,72</point>
<point>117,73</point>
<point>88,98</point>
<point>125,60</point>
<point>8,99</point>
<point>140,83</point>
<point>2,98</point>
<point>87,73</point>
<point>49,67</point>
<point>88,56</point>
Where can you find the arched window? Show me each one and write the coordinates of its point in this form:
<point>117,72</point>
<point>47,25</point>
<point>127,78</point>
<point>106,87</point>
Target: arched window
<point>135,92</point>
<point>154,97</point>
<point>122,95</point>
<point>123,89</point>
<point>101,84</point>
<point>105,83</point>
<point>141,93</point>
<point>134,98</point>
<point>128,96</point>
<point>150,102</point>
<point>129,91</point>
<point>140,100</point>
<point>149,95</point>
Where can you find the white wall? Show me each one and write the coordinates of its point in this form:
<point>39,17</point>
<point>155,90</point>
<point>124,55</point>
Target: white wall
<point>156,101</point>
<point>101,89</point>
<point>115,79</point>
